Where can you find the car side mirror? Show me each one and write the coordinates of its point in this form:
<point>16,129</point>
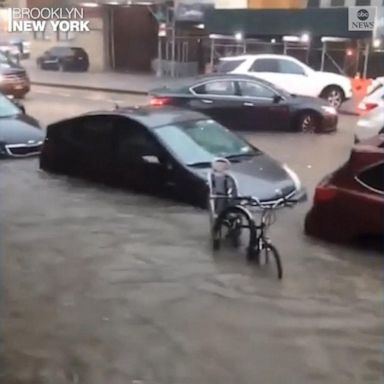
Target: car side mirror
<point>277,99</point>
<point>20,106</point>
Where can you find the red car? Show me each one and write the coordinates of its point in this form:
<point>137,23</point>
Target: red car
<point>349,203</point>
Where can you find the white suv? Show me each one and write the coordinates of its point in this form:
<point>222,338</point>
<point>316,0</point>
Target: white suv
<point>371,108</point>
<point>292,75</point>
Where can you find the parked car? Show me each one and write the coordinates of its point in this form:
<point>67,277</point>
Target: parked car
<point>246,103</point>
<point>14,80</point>
<point>292,75</point>
<point>20,134</point>
<point>64,59</point>
<point>349,203</point>
<point>371,108</point>
<point>164,151</point>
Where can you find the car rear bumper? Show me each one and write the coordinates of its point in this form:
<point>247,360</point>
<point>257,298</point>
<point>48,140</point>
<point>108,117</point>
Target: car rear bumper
<point>323,222</point>
<point>368,128</point>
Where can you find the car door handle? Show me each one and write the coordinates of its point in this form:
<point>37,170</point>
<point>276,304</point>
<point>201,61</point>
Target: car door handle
<point>247,104</point>
<point>206,101</point>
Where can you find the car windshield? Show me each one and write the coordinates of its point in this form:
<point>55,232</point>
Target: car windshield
<point>201,141</point>
<point>7,108</point>
<point>5,62</point>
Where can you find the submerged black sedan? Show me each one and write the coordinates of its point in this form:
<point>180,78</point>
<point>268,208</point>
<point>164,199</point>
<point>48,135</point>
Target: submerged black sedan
<point>163,151</point>
<point>20,134</point>
<point>242,102</point>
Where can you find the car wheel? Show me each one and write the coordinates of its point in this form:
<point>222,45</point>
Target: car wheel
<point>334,95</point>
<point>308,122</point>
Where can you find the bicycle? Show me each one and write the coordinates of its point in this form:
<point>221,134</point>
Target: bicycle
<point>234,213</point>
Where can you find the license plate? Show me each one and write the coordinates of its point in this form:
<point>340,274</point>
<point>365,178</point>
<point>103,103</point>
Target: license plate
<point>18,87</point>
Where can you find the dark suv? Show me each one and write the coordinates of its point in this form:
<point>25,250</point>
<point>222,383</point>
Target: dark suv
<point>64,59</point>
<point>14,80</point>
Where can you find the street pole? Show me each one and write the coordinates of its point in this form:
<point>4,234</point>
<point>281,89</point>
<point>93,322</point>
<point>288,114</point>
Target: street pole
<point>323,50</point>
<point>366,59</point>
<point>173,52</point>
<point>159,57</point>
<point>211,62</point>
<point>173,41</point>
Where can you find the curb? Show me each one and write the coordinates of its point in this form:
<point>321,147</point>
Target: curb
<point>89,88</point>
<point>348,113</point>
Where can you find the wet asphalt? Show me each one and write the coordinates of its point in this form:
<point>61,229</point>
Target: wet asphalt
<point>103,286</point>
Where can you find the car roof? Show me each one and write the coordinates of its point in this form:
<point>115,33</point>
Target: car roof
<point>258,56</point>
<point>152,116</point>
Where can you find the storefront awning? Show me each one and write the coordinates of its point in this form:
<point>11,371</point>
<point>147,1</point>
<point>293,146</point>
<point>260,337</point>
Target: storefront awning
<point>317,22</point>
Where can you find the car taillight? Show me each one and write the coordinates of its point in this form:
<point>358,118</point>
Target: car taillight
<point>324,194</point>
<point>160,101</point>
<point>366,106</point>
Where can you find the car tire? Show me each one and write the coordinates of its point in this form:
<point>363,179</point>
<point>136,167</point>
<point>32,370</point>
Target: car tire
<point>308,122</point>
<point>334,95</point>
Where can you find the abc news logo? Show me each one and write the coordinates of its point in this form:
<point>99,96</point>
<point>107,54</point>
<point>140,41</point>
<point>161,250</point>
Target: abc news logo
<point>361,19</point>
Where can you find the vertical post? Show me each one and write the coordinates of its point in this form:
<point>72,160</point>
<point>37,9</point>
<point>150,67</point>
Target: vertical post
<point>307,52</point>
<point>211,60</point>
<point>112,37</point>
<point>366,53</point>
<point>159,58</point>
<point>323,51</point>
<point>173,47</point>
<point>356,68</point>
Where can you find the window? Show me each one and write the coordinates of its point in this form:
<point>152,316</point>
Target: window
<point>201,141</point>
<point>288,66</point>
<point>62,51</point>
<point>265,65</point>
<point>363,2</point>
<point>5,61</point>
<point>313,3</point>
<point>7,108</point>
<point>337,3</point>
<point>94,133</point>
<point>226,66</point>
<point>219,88</point>
<point>373,177</point>
<point>253,89</point>
<point>64,36</point>
<point>133,142</point>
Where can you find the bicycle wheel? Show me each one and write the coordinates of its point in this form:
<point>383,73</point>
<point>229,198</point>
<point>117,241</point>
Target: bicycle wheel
<point>230,226</point>
<point>264,259</point>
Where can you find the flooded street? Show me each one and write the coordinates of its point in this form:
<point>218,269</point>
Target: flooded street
<point>103,286</point>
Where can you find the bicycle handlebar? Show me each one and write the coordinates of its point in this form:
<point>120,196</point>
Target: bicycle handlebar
<point>254,202</point>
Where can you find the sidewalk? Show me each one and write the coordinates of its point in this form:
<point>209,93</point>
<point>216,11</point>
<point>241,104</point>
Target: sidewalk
<point>139,84</point>
<point>136,84</point>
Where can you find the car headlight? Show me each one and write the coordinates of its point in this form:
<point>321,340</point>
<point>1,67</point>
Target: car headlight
<point>293,176</point>
<point>328,109</point>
